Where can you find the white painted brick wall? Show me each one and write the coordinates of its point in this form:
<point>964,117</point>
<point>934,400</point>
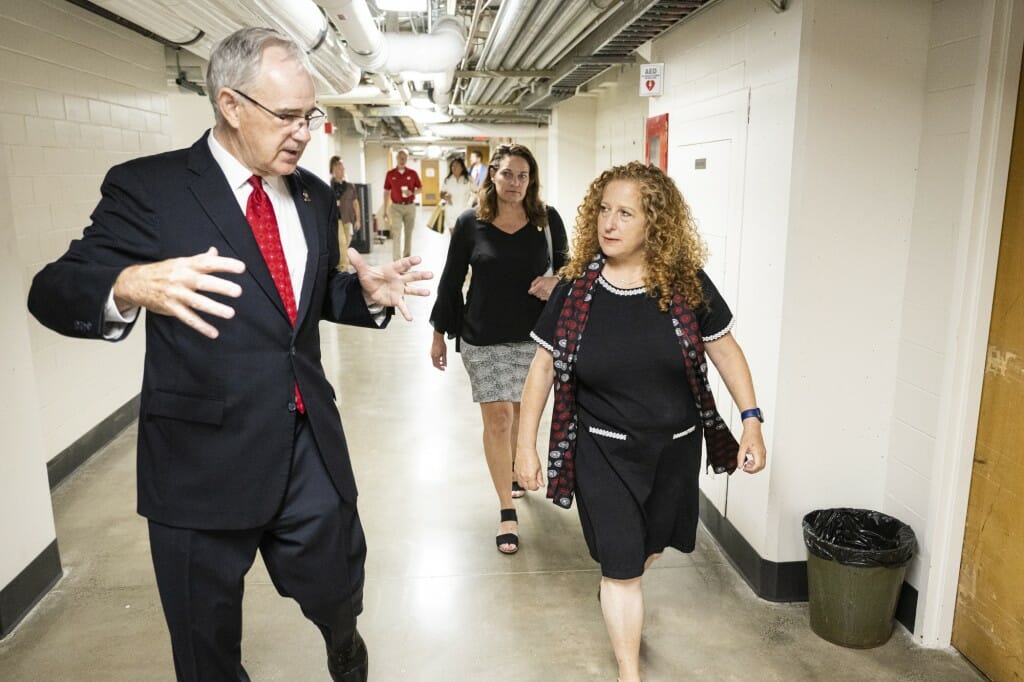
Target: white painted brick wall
<point>952,67</point>
<point>77,95</point>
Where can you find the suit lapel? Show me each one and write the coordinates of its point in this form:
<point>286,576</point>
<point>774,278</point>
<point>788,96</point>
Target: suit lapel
<point>217,199</point>
<point>307,217</point>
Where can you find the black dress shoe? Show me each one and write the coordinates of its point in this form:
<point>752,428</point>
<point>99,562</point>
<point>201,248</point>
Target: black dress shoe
<point>352,665</point>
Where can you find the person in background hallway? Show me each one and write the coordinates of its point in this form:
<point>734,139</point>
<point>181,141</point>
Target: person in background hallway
<point>623,339</point>
<point>401,185</point>
<point>458,191</point>
<point>232,249</point>
<point>477,169</point>
<point>348,209</point>
<point>511,241</point>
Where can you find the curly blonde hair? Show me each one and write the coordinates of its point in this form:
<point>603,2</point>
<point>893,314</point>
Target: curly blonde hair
<point>673,248</point>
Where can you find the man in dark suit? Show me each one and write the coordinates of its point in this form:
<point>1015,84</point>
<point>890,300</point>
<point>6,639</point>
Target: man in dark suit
<point>233,250</point>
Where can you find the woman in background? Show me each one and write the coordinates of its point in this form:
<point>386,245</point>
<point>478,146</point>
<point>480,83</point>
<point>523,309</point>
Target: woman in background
<point>633,400</point>
<point>510,241</point>
<point>457,190</point>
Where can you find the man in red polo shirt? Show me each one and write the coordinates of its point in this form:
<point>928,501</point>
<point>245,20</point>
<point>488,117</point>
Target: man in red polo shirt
<point>401,185</point>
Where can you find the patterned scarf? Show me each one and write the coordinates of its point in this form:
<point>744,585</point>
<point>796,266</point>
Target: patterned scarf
<point>572,321</point>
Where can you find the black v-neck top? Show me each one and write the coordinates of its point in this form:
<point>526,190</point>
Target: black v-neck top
<point>497,308</point>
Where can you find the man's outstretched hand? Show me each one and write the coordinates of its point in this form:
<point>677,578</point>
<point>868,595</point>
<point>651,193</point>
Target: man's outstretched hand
<point>389,284</point>
<point>171,287</point>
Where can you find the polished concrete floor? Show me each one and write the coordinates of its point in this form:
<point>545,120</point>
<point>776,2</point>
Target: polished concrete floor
<point>441,603</point>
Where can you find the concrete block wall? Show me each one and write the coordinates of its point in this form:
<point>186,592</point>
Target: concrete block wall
<point>621,118</point>
<point>950,90</point>
<point>77,95</point>
<point>733,54</point>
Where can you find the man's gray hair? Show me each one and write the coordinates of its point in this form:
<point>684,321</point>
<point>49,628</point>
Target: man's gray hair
<point>235,61</point>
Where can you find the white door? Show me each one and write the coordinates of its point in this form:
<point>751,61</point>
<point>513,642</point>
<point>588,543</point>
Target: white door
<point>706,158</point>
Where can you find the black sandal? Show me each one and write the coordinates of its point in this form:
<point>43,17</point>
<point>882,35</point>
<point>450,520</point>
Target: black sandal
<point>517,490</point>
<point>508,538</point>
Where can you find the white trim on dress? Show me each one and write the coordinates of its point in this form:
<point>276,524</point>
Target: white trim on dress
<point>542,342</point>
<point>687,432</point>
<point>620,292</point>
<point>715,337</point>
<point>605,432</point>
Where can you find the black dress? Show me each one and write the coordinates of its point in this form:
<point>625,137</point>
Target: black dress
<point>639,449</point>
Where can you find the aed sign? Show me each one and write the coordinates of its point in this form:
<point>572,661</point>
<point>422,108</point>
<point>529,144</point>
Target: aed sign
<point>652,79</point>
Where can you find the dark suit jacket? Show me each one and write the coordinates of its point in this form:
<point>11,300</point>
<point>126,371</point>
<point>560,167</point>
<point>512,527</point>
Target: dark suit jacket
<point>217,415</point>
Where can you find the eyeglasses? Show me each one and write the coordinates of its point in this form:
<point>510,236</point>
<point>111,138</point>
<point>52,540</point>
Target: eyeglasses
<point>313,120</point>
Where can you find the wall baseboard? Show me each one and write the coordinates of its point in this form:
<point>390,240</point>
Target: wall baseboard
<point>75,455</point>
<point>779,581</point>
<point>28,587</point>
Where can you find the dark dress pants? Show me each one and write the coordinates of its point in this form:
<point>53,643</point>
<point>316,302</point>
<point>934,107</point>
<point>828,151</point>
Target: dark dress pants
<point>313,548</point>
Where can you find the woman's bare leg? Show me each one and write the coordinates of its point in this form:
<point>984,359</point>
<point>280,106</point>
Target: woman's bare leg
<point>498,418</point>
<point>622,603</point>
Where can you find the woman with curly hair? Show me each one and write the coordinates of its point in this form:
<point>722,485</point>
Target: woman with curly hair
<point>510,241</point>
<point>623,340</point>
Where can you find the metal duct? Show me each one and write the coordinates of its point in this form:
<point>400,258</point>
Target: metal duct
<point>510,18</point>
<point>152,17</point>
<point>180,21</point>
<point>307,25</point>
<point>616,39</point>
<point>437,52</point>
<point>576,21</point>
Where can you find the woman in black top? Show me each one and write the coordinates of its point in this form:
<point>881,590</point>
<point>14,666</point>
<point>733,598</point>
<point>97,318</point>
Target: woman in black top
<point>511,240</point>
<point>623,340</point>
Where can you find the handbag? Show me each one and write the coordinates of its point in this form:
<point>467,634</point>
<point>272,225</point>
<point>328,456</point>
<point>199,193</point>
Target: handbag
<point>436,221</point>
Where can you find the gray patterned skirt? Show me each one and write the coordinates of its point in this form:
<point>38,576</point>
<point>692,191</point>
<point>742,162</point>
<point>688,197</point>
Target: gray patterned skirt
<point>497,372</point>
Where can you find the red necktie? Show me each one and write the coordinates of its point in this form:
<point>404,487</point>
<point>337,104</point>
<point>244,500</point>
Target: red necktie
<point>260,214</point>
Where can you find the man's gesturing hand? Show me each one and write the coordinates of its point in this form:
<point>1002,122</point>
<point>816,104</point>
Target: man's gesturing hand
<point>388,285</point>
<point>171,287</point>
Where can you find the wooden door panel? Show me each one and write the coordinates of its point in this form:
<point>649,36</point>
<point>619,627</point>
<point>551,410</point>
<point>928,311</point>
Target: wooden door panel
<point>988,627</point>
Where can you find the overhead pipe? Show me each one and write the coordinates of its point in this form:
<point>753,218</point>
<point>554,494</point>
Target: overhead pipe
<point>154,18</point>
<point>575,22</point>
<point>437,52</point>
<point>301,19</point>
<point>356,25</point>
<point>539,24</point>
<point>538,28</point>
<point>307,25</point>
<point>511,17</point>
<point>474,23</point>
<point>592,16</point>
<point>569,18</point>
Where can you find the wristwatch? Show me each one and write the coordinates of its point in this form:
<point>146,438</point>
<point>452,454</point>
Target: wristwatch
<point>752,412</point>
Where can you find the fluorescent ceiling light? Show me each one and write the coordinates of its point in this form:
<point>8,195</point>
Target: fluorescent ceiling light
<point>402,5</point>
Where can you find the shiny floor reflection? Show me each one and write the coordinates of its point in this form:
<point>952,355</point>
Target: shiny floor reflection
<point>441,603</point>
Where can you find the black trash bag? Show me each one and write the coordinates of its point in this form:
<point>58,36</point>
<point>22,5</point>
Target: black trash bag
<point>859,537</point>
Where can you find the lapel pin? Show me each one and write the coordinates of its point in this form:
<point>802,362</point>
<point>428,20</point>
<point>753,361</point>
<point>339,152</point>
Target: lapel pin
<point>305,196</point>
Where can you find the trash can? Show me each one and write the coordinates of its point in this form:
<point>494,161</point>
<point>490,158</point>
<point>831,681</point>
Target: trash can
<point>856,560</point>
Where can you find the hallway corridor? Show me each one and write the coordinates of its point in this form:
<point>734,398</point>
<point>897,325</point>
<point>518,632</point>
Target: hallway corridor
<point>441,604</point>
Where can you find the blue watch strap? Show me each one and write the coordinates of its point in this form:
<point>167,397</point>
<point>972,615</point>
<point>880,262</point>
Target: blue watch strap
<point>752,412</point>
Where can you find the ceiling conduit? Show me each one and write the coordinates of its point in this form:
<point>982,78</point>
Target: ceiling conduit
<point>512,15</point>
<point>542,55</point>
<point>301,19</point>
<point>437,52</point>
<point>152,17</point>
<point>575,21</point>
<point>540,30</point>
<point>307,25</point>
